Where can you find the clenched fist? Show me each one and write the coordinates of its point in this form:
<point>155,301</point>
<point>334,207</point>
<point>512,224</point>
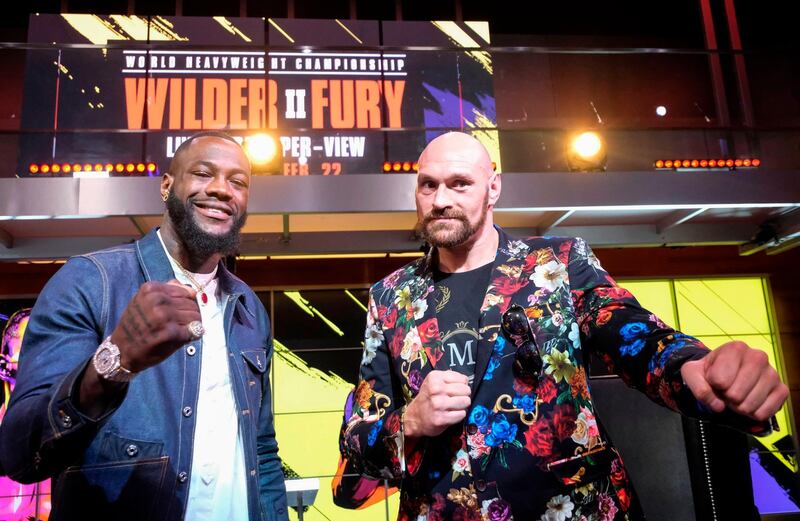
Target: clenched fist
<point>155,324</point>
<point>442,401</point>
<point>739,378</point>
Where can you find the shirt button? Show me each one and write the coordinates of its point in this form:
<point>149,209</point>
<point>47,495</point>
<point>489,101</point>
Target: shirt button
<point>480,485</point>
<point>187,411</point>
<point>472,428</point>
<point>191,350</point>
<point>182,477</point>
<point>131,450</point>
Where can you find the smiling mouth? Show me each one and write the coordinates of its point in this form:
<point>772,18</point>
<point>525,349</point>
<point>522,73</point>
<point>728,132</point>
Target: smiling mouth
<point>214,211</point>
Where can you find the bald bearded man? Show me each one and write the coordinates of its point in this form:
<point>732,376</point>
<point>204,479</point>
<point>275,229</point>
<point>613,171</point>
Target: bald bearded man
<point>473,388</point>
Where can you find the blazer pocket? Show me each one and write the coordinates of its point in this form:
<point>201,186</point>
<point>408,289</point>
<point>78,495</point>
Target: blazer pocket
<point>125,490</point>
<point>583,469</point>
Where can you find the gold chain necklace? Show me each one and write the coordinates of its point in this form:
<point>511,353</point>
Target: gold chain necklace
<point>200,287</point>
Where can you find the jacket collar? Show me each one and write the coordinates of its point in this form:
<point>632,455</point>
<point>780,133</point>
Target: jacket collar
<point>157,268</point>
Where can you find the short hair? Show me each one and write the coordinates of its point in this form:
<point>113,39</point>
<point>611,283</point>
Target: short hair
<point>205,133</point>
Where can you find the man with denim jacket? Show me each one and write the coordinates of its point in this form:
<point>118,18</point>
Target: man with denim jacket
<point>143,385</point>
<point>473,388</point>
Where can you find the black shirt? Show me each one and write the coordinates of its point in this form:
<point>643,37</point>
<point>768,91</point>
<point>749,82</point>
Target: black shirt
<point>459,297</point>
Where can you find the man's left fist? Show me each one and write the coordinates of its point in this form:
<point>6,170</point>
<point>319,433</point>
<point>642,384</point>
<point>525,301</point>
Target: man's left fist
<point>737,377</point>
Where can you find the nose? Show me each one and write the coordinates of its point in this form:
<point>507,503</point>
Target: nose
<point>219,187</point>
<point>441,198</point>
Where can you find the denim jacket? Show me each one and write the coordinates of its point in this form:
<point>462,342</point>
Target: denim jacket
<point>135,461</point>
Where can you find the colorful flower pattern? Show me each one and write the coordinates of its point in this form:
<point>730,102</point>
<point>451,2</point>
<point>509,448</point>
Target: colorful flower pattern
<point>544,433</point>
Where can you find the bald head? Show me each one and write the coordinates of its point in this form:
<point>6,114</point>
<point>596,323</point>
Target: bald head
<point>457,147</point>
<point>456,192</point>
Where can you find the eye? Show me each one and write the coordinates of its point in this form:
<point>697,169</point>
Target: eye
<point>427,186</point>
<point>240,182</point>
<point>460,183</point>
<point>201,173</point>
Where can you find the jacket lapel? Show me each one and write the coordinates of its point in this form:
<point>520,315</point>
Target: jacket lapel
<point>424,313</point>
<point>508,277</point>
<point>153,259</point>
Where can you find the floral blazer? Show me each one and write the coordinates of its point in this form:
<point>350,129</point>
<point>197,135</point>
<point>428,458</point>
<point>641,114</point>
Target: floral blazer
<point>522,452</point>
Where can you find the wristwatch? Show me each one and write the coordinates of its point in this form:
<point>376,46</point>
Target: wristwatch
<point>106,361</point>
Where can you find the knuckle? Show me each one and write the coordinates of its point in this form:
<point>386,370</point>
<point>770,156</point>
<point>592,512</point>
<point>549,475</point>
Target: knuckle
<point>735,396</point>
<point>760,357</point>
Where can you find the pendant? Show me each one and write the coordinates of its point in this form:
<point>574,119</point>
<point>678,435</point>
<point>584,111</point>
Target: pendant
<point>204,297</point>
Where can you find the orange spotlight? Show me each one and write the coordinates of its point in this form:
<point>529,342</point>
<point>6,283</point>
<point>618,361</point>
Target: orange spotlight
<point>387,166</point>
<point>756,162</point>
<point>151,167</point>
<point>56,168</point>
<point>119,167</point>
<point>129,167</point>
<point>33,168</point>
<point>45,169</point>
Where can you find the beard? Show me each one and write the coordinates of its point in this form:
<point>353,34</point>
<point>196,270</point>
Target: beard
<point>199,243</point>
<point>438,234</point>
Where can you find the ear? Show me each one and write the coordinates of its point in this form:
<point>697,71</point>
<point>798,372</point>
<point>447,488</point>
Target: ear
<point>166,182</point>
<point>495,187</point>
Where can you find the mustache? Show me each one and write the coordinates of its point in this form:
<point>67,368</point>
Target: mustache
<point>447,213</point>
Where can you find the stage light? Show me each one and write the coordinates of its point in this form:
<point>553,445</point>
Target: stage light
<point>119,167</point>
<point>77,167</point>
<point>264,152</point>
<point>140,167</point>
<point>33,168</point>
<point>129,167</point>
<point>109,167</point>
<point>396,166</point>
<point>45,169</point>
<point>98,167</point>
<point>586,153</point>
<point>406,166</point>
<point>151,167</point>
<point>661,111</point>
<point>707,164</point>
<point>56,168</point>
<point>87,167</point>
<point>387,166</point>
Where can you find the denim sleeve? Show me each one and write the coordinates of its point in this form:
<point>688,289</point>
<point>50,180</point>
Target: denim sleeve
<point>272,490</point>
<point>43,431</point>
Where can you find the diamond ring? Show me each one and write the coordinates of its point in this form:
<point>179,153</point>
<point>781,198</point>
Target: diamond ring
<point>196,329</point>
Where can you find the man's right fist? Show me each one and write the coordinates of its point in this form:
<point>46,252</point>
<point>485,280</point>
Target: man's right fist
<point>442,401</point>
<point>155,324</point>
